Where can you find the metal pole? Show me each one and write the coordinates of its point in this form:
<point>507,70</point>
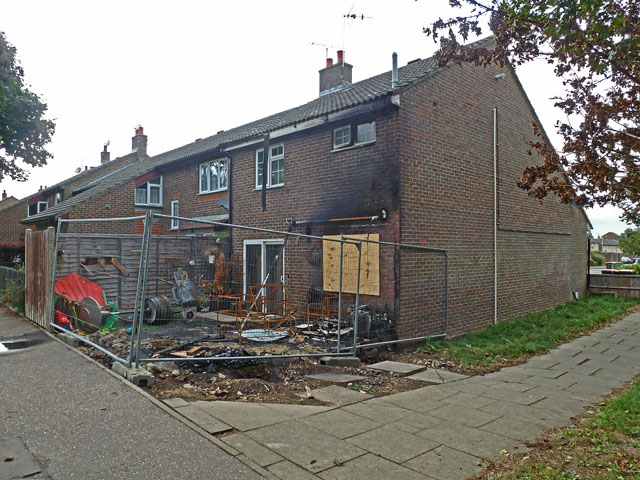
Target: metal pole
<point>144,286</point>
<point>340,294</point>
<point>446,294</point>
<point>495,215</point>
<point>53,278</point>
<point>245,357</point>
<point>90,343</point>
<point>136,308</point>
<point>355,322</point>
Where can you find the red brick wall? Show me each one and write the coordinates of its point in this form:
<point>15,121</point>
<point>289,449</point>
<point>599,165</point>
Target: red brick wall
<point>446,163</point>
<point>10,226</point>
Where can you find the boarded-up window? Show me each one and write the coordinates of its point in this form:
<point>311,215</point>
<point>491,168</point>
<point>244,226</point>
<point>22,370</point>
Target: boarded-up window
<point>369,271</point>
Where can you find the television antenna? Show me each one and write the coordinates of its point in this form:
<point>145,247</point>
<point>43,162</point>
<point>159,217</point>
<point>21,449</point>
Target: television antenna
<point>326,47</point>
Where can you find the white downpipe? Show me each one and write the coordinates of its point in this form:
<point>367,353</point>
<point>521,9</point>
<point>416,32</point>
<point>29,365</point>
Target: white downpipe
<point>495,215</point>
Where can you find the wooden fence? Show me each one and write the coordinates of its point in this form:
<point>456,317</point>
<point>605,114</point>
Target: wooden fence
<point>627,286</point>
<point>8,276</point>
<point>39,257</point>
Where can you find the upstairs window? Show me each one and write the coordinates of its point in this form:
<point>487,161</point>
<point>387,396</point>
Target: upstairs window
<point>275,166</point>
<point>37,207</point>
<point>364,133</point>
<point>342,137</point>
<point>213,176</point>
<point>58,197</point>
<point>150,193</point>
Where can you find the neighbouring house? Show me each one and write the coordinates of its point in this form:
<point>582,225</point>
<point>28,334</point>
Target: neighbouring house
<point>409,155</point>
<point>12,211</point>
<point>607,245</point>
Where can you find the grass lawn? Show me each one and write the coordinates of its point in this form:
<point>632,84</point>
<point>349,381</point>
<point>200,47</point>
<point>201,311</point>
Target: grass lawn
<point>530,335</point>
<point>603,445</point>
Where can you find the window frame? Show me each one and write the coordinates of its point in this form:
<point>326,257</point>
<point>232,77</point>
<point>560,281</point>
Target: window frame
<point>38,204</point>
<point>375,133</point>
<point>57,198</point>
<point>149,186</point>
<point>337,146</point>
<point>207,165</point>
<point>175,223</point>
<point>269,170</point>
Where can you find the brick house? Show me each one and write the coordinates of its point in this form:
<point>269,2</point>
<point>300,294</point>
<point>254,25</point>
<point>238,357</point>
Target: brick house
<point>415,151</point>
<point>13,211</point>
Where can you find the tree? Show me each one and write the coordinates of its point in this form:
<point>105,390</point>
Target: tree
<point>629,242</point>
<point>594,46</point>
<point>24,131</point>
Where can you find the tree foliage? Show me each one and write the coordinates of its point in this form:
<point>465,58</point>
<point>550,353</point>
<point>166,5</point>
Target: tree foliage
<point>594,46</point>
<point>629,242</point>
<point>24,131</point>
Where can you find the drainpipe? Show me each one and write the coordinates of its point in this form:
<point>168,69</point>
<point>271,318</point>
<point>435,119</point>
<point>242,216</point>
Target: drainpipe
<point>495,215</point>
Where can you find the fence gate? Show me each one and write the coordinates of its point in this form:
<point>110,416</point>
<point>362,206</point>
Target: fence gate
<point>39,256</point>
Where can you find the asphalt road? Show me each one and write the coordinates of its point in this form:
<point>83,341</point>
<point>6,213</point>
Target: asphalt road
<point>79,422</point>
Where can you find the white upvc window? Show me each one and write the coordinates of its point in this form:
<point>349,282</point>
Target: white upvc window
<point>366,132</point>
<point>213,176</point>
<point>58,198</point>
<point>342,137</point>
<point>175,212</point>
<point>37,207</point>
<point>275,166</point>
<point>150,193</point>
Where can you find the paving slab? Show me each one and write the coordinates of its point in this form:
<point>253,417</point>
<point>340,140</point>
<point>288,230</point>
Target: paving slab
<point>336,377</point>
<point>466,415</point>
<point>370,467</point>
<point>393,444</point>
<point>434,375</point>
<point>339,396</point>
<point>525,413</point>
<point>514,427</point>
<point>473,441</point>
<point>445,463</point>
<point>378,412</point>
<point>252,449</point>
<point>176,402</point>
<point>286,470</point>
<point>242,416</point>
<point>468,400</point>
<point>523,398</point>
<point>399,368</point>
<point>296,411</point>
<point>308,447</point>
<point>21,463</point>
<point>340,423</point>
<point>414,400</point>
<point>203,419</point>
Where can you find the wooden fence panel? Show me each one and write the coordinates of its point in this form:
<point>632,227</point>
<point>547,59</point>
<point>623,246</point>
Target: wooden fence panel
<point>39,257</point>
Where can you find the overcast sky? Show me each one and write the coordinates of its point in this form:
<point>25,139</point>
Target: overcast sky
<point>187,70</point>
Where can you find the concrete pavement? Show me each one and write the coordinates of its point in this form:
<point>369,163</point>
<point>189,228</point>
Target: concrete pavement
<point>443,431</point>
<point>77,420</point>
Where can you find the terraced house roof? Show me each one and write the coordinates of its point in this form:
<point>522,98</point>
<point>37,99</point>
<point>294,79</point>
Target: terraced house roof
<point>349,96</point>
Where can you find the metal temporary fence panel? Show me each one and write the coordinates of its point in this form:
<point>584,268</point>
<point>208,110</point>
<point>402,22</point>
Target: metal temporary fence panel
<point>240,292</point>
<point>39,259</point>
<point>95,288</point>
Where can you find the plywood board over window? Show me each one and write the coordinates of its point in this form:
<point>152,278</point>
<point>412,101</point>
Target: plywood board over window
<point>369,271</point>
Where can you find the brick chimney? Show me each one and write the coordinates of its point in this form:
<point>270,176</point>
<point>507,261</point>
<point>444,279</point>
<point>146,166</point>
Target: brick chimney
<point>333,77</point>
<point>139,142</point>
<point>105,156</point>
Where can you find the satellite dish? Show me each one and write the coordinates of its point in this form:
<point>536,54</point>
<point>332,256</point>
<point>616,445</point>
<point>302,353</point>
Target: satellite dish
<point>78,170</point>
<point>107,143</point>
